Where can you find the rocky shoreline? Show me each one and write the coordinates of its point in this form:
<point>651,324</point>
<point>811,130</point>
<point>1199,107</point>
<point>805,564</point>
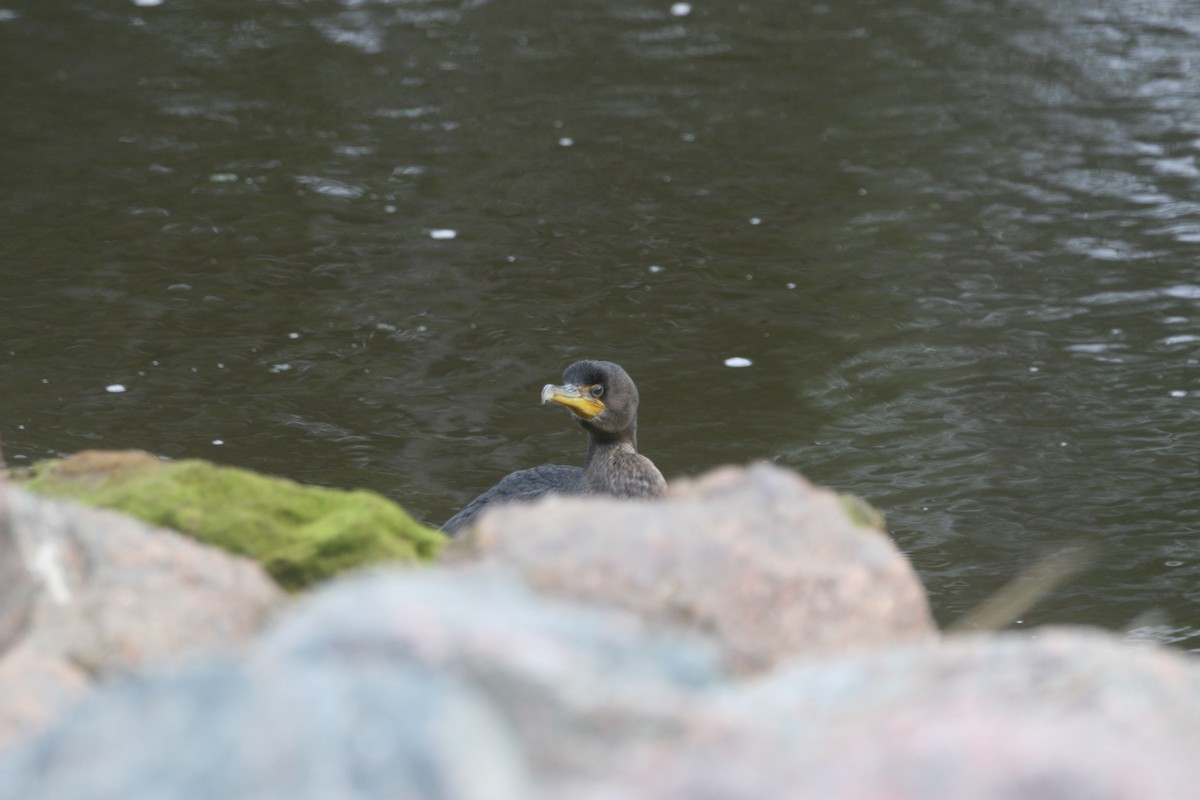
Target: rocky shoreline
<point>746,637</point>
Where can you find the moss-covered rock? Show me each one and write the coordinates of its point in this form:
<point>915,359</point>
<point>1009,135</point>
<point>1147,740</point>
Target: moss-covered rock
<point>300,534</point>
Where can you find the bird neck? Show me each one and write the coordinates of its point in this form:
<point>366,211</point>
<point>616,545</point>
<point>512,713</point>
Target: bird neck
<point>602,443</point>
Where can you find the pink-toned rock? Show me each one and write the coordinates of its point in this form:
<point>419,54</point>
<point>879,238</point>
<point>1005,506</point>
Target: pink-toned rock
<point>86,593</point>
<point>1074,714</point>
<point>763,561</point>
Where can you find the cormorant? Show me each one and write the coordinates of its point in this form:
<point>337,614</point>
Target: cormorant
<point>604,400</point>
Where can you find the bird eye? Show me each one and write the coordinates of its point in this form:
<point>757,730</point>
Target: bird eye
<point>597,390</point>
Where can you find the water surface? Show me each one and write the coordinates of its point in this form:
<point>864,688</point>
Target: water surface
<point>347,242</point>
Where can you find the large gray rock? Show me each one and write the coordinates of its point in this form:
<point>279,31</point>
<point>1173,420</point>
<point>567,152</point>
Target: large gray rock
<point>766,563</point>
<point>363,726</point>
<point>86,594</point>
<point>581,687</point>
<point>447,684</point>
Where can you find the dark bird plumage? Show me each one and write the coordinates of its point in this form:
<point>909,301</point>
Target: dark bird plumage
<point>604,400</point>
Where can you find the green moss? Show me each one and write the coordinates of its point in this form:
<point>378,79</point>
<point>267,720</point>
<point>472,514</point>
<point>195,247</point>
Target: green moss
<point>861,512</point>
<point>300,534</point>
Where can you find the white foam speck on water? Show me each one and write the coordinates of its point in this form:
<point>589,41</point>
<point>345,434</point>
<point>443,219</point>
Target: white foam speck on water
<point>1178,393</point>
<point>790,285</point>
<point>443,233</point>
<point>114,388</point>
<point>681,9</point>
<point>737,361</point>
<point>147,3</point>
<point>277,368</point>
<point>656,268</point>
<point>566,141</point>
<point>218,441</point>
<point>756,220</point>
<point>330,187</point>
<point>293,335</point>
<point>1184,292</point>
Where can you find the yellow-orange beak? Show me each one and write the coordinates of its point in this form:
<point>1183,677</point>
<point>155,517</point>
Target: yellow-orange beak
<point>581,403</point>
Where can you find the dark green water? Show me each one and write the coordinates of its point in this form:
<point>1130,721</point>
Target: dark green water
<point>957,240</point>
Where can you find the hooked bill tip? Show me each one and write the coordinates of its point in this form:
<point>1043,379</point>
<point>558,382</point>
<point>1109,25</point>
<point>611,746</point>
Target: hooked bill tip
<point>547,393</point>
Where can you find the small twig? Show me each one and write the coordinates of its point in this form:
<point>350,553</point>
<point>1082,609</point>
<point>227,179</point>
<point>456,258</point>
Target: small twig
<point>1027,589</point>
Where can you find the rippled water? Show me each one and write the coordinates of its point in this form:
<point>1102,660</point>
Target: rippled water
<point>348,242</point>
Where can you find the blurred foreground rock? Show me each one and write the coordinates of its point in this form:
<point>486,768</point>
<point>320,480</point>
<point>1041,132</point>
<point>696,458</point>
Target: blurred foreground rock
<point>447,684</point>
<point>768,564</point>
<point>464,684</point>
<point>86,594</point>
<point>598,673</point>
<point>1071,714</point>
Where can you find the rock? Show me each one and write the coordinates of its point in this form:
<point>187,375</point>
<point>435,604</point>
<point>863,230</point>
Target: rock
<point>579,685</point>
<point>1070,715</point>
<point>439,683</point>
<point>88,593</point>
<point>34,688</point>
<point>300,534</point>
<point>464,683</point>
<point>18,586</point>
<point>360,728</point>
<point>759,558</point>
